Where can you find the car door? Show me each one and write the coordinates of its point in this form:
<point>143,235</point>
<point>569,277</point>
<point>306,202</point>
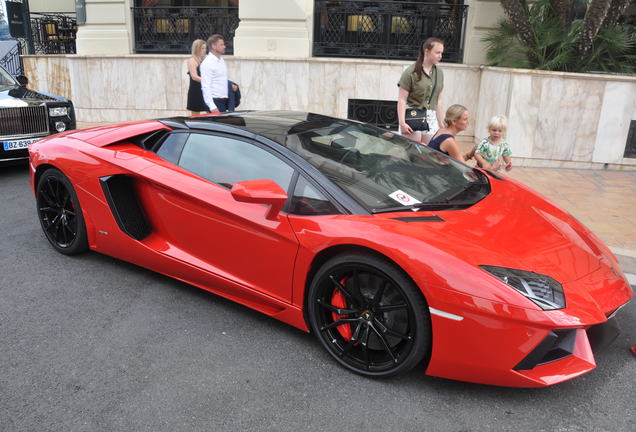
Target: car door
<point>191,208</point>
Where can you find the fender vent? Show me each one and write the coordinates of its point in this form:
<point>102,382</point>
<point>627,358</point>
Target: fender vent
<point>122,199</point>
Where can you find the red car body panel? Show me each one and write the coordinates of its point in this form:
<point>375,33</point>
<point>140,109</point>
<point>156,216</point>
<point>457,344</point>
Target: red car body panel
<point>106,135</point>
<point>266,264</point>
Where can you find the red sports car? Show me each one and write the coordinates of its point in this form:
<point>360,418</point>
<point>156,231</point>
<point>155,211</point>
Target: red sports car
<point>394,255</point>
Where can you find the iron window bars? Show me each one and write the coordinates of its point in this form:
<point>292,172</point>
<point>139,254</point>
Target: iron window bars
<point>171,30</point>
<point>387,29</point>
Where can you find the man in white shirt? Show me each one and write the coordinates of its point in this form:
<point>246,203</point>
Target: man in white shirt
<point>214,76</point>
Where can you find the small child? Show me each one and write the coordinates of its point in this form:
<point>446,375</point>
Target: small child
<point>494,152</point>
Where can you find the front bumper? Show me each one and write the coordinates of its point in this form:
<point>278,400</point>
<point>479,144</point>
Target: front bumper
<point>500,344</point>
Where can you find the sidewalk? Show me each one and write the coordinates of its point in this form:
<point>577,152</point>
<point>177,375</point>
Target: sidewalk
<point>604,201</point>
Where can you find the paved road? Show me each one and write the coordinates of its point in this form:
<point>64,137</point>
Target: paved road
<point>91,343</point>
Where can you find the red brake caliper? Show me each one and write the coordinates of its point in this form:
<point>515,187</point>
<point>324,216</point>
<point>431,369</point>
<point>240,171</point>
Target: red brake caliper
<point>338,300</point>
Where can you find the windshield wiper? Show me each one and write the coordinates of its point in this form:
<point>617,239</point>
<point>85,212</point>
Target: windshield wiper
<point>461,190</point>
<point>445,202</point>
<point>431,205</point>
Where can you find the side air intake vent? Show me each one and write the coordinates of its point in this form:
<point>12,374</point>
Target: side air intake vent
<point>556,345</point>
<point>123,202</point>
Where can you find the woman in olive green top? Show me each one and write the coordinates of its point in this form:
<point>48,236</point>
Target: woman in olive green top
<point>421,87</point>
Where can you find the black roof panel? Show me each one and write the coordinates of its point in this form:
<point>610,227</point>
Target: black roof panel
<point>275,125</point>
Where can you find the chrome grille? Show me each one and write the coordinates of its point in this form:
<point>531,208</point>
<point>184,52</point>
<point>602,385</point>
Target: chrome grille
<point>29,120</point>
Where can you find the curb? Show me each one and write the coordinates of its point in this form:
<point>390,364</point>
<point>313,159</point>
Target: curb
<point>627,260</point>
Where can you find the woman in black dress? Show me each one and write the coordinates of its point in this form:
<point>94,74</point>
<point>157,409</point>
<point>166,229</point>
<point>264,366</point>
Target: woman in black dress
<point>195,96</point>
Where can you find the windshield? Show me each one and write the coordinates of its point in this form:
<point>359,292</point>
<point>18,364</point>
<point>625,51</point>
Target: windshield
<point>6,80</point>
<point>384,171</point>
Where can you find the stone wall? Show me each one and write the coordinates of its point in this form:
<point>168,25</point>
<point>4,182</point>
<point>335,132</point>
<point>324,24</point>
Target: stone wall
<point>582,119</point>
<point>555,119</point>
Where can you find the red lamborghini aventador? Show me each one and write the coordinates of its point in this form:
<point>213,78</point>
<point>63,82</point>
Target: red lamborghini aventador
<point>394,255</point>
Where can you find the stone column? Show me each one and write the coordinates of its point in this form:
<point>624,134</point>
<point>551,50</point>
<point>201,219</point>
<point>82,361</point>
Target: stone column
<point>107,29</point>
<point>280,28</point>
<point>483,15</point>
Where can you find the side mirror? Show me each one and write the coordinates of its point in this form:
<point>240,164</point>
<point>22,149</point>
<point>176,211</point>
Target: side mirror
<point>22,80</point>
<point>261,192</point>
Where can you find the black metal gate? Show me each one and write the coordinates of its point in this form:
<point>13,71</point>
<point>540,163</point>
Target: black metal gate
<point>12,61</point>
<point>381,113</point>
<point>46,33</point>
<point>387,29</point>
<point>53,32</point>
<point>172,29</point>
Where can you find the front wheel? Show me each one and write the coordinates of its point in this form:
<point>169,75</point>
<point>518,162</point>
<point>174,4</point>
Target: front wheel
<point>60,213</point>
<point>369,315</point>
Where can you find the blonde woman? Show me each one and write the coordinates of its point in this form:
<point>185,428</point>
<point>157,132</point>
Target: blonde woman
<point>455,121</point>
<point>195,95</point>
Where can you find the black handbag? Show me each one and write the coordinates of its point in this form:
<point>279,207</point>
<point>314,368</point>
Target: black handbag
<point>416,117</point>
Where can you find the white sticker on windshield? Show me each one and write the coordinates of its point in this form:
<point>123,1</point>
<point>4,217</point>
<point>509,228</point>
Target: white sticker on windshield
<point>404,198</point>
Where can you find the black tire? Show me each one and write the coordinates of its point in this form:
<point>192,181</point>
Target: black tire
<point>60,213</point>
<point>388,321</point>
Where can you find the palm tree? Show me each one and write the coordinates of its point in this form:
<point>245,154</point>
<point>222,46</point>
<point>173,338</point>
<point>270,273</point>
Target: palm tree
<point>545,34</point>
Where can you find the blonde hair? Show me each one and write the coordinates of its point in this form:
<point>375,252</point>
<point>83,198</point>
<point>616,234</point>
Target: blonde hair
<point>196,48</point>
<point>500,122</point>
<point>454,112</point>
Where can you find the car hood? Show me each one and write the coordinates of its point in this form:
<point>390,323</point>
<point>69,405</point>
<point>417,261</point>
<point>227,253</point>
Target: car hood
<point>21,97</point>
<point>511,227</point>
<point>516,227</point>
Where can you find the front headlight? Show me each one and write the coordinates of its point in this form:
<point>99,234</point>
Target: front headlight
<point>58,111</point>
<point>544,291</point>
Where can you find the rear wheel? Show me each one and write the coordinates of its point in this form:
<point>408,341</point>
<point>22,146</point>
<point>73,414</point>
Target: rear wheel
<point>369,315</point>
<point>60,213</point>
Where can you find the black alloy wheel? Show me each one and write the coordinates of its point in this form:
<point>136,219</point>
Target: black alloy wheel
<point>369,315</point>
<point>60,213</point>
